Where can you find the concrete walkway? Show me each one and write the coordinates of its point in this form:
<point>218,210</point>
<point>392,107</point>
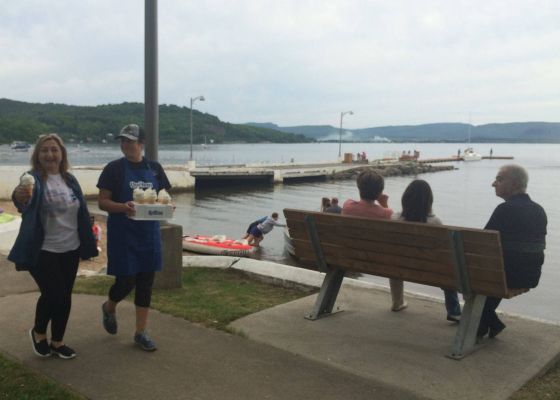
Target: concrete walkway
<point>364,352</point>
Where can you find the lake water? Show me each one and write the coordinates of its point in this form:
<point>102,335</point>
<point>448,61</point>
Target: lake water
<point>462,197</point>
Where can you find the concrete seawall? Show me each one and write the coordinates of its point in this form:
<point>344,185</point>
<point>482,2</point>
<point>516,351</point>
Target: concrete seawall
<point>183,177</point>
<point>179,176</point>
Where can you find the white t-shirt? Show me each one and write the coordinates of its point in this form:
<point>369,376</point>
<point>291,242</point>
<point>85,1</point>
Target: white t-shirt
<point>59,216</point>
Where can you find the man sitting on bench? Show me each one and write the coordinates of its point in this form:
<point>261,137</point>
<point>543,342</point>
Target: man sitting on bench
<point>522,226</point>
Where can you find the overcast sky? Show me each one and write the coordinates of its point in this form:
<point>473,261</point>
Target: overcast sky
<point>392,62</point>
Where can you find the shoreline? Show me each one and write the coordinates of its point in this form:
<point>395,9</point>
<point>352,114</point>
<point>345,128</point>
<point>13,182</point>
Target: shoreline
<point>182,179</point>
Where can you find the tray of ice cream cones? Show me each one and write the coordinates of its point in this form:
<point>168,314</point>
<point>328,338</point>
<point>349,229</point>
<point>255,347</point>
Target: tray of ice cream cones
<point>152,206</point>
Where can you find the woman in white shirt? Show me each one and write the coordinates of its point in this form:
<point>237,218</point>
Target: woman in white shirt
<point>55,233</point>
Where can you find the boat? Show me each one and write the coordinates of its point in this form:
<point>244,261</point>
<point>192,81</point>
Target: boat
<point>20,146</point>
<point>217,245</point>
<point>470,155</point>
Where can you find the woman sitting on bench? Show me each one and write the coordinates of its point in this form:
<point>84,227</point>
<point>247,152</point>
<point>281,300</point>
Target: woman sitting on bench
<point>416,203</point>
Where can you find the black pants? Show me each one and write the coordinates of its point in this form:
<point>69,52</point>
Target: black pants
<point>489,318</point>
<point>55,275</point>
<point>143,281</point>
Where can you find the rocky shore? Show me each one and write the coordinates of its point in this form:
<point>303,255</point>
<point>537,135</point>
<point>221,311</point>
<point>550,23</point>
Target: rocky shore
<point>394,169</point>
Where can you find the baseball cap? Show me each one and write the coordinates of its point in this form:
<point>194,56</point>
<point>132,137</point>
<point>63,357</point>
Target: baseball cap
<point>132,132</point>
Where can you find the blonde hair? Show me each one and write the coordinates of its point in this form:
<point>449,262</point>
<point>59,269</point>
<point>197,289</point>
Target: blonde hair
<point>36,166</point>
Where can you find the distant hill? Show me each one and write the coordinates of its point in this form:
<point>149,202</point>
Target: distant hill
<point>25,121</point>
<point>526,132</point>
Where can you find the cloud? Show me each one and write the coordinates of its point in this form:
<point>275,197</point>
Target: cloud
<point>294,62</point>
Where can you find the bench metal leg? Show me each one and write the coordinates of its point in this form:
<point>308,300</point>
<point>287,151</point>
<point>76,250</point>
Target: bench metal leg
<point>465,339</point>
<point>327,295</point>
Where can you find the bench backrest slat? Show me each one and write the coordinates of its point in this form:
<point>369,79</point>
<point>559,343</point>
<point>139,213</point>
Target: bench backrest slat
<point>416,252</point>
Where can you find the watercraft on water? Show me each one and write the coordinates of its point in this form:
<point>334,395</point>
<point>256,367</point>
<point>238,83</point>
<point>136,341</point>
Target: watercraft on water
<point>470,155</point>
<point>217,245</point>
<point>20,146</point>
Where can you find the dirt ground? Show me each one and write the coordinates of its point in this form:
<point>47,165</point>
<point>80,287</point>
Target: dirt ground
<point>86,267</point>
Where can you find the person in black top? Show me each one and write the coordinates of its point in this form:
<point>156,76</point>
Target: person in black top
<point>134,250</point>
<point>522,226</point>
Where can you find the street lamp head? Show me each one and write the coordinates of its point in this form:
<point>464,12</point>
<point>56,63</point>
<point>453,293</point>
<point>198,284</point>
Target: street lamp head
<point>193,99</point>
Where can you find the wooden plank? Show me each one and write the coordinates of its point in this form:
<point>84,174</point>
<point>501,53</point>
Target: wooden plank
<point>470,235</point>
<point>378,230</point>
<point>389,271</point>
<point>355,240</point>
<point>399,260</point>
<point>355,245</point>
<point>418,237</point>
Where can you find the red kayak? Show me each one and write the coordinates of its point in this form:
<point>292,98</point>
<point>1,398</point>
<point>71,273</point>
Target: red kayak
<point>217,245</point>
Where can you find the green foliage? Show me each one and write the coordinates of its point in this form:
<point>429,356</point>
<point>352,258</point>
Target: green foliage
<point>19,382</point>
<point>25,121</point>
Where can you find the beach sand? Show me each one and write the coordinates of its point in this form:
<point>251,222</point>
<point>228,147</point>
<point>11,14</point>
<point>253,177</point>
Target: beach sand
<point>86,267</point>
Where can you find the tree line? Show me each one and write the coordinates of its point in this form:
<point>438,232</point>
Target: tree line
<point>25,121</point>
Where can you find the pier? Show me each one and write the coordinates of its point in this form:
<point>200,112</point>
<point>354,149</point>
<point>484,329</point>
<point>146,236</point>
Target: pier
<point>188,177</point>
<point>267,173</point>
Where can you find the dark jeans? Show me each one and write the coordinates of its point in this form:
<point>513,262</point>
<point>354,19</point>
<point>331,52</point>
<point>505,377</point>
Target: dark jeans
<point>55,275</point>
<point>143,281</point>
<point>452,304</point>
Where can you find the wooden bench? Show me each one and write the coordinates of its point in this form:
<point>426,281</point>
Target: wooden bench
<point>467,260</point>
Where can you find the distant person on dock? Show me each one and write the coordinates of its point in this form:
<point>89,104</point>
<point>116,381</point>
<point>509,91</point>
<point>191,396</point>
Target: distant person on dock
<point>257,233</point>
<point>459,153</point>
<point>522,226</point>
<point>133,247</point>
<point>55,233</point>
<point>334,207</point>
<point>325,203</point>
<point>417,202</point>
<point>373,203</point>
<point>491,152</point>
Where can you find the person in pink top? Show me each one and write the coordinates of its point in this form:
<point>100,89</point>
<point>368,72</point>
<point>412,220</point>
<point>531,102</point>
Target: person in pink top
<point>373,203</point>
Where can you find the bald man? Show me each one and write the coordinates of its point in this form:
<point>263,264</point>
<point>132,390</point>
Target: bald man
<point>522,226</point>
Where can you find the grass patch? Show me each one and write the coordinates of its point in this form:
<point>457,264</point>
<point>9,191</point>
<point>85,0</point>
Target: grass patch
<point>544,387</point>
<point>209,296</point>
<point>5,217</point>
<point>19,382</point>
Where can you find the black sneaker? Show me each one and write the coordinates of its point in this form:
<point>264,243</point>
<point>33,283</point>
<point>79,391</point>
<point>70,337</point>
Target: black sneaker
<point>63,351</point>
<point>496,330</point>
<point>41,348</point>
<point>454,318</point>
<point>109,320</point>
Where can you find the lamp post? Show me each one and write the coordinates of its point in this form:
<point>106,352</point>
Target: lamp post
<point>342,114</point>
<point>193,99</point>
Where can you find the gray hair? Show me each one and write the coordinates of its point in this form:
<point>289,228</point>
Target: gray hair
<point>518,174</point>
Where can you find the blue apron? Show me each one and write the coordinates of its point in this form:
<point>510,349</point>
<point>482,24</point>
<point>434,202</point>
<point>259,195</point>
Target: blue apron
<point>133,246</point>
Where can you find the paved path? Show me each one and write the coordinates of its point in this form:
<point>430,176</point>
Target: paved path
<point>365,352</point>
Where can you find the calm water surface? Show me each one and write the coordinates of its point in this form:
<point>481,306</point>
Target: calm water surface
<point>461,197</point>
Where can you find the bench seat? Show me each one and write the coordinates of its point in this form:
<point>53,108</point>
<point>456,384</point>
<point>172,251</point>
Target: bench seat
<point>463,259</point>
